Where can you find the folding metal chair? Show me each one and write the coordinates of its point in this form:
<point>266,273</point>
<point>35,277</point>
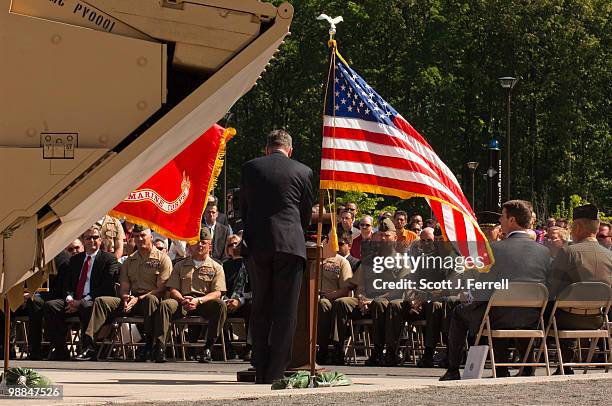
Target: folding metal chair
<point>181,323</point>
<point>591,298</point>
<point>518,294</point>
<point>352,342</point>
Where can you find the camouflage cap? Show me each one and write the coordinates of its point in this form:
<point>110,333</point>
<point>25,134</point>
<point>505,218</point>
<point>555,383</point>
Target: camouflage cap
<point>387,225</point>
<point>139,228</point>
<point>205,234</point>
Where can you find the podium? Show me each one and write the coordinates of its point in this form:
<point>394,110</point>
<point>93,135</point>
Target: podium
<point>300,355</point>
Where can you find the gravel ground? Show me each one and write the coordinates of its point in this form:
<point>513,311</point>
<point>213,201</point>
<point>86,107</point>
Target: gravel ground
<point>582,392</point>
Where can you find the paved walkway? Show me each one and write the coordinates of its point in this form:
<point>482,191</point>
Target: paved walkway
<point>185,383</point>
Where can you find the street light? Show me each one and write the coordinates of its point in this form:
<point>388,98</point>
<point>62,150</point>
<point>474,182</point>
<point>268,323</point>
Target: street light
<point>507,82</point>
<point>472,167</point>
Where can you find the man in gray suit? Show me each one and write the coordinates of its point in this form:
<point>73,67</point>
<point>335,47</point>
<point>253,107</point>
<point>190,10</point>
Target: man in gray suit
<point>518,259</point>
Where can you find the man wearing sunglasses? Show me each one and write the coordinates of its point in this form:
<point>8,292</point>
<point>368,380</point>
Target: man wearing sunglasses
<point>142,280</point>
<point>365,227</point>
<point>86,276</point>
<point>604,235</point>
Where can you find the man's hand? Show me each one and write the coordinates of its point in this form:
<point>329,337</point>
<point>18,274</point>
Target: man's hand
<point>127,306</point>
<point>232,304</point>
<point>191,304</point>
<point>364,305</point>
<point>73,306</point>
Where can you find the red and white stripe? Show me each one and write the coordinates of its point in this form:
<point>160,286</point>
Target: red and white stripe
<point>361,152</point>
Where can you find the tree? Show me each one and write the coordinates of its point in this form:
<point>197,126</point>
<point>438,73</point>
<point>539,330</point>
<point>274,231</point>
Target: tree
<point>437,62</point>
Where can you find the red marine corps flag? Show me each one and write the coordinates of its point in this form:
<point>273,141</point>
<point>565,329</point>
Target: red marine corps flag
<point>172,201</point>
<point>369,147</point>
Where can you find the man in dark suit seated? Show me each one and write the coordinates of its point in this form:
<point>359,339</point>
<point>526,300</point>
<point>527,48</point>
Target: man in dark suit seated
<point>276,203</point>
<point>220,232</point>
<point>86,276</point>
<point>518,259</point>
<point>584,261</point>
<point>345,242</point>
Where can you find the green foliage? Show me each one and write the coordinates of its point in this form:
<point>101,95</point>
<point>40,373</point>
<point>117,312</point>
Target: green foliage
<point>365,203</point>
<point>567,211</point>
<point>26,377</point>
<point>437,62</point>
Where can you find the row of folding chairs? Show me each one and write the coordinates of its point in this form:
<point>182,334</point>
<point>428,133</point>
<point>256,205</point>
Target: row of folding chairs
<point>123,337</point>
<point>589,297</point>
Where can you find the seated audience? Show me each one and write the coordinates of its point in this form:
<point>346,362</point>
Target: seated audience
<point>584,261</point>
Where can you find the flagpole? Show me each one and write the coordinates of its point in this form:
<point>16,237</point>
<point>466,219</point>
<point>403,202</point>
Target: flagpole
<point>315,318</point>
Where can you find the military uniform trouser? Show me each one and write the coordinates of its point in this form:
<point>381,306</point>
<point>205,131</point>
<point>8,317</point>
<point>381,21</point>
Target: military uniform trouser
<point>347,308</point>
<point>324,322</point>
<point>399,312</point>
<point>106,308</point>
<point>214,311</point>
<point>570,321</point>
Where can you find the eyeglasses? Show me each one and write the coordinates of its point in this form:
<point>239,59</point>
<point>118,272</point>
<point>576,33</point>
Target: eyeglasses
<point>602,236</point>
<point>161,248</point>
<point>365,225</point>
<point>91,237</point>
<point>340,244</point>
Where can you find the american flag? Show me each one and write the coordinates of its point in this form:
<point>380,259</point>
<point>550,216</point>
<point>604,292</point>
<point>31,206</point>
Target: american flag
<point>369,147</point>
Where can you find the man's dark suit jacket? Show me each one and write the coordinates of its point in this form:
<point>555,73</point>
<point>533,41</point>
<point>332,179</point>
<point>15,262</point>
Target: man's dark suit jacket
<point>103,275</point>
<point>353,261</point>
<point>276,203</point>
<point>219,241</point>
<point>518,259</point>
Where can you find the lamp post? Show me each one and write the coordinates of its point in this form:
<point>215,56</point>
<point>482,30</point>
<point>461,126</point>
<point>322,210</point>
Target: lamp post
<point>507,82</point>
<point>472,167</point>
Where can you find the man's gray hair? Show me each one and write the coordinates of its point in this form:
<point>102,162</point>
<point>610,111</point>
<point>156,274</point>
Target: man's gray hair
<point>279,139</point>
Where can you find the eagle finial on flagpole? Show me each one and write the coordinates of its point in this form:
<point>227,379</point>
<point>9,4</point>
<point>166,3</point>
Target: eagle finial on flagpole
<point>332,23</point>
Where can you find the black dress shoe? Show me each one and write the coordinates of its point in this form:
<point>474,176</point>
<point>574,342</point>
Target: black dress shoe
<point>502,372</point>
<point>527,371</point>
<point>451,375</point>
<point>58,355</point>
<point>425,363</point>
<point>144,353</point>
<point>566,370</point>
<point>247,356</point>
<point>89,354</point>
<point>160,354</point>
<point>391,359</point>
<point>205,357</point>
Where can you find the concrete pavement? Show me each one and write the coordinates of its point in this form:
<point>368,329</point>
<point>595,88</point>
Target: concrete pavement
<point>97,383</point>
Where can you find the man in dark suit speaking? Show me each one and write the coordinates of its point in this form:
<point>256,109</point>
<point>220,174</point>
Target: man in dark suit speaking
<point>87,275</point>
<point>276,202</point>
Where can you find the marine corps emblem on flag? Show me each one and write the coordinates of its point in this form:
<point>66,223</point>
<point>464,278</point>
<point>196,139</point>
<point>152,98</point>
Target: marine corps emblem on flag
<point>141,195</point>
<point>172,201</point>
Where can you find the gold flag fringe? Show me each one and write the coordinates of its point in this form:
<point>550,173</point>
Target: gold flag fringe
<point>227,135</point>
